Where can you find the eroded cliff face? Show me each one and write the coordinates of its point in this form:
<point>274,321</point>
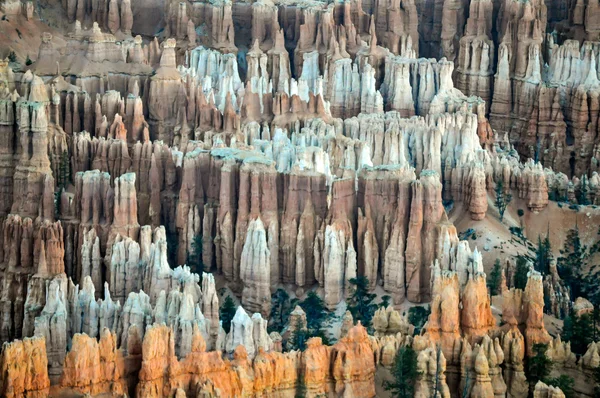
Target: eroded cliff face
<point>24,368</point>
<point>279,143</point>
<point>98,367</point>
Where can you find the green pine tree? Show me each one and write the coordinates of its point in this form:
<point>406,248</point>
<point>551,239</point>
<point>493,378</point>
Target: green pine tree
<point>584,189</point>
<point>418,316</point>
<point>317,316</point>
<point>299,338</point>
<point>502,199</point>
<point>591,279</point>
<point>571,261</point>
<point>543,255</point>
<point>564,382</point>
<point>385,301</point>
<point>580,331</point>
<point>576,268</point>
<point>281,307</point>
<point>405,374</point>
<point>172,246</point>
<point>521,271</point>
<point>57,203</point>
<point>596,322</point>
<point>227,312</point>
<point>194,260</point>
<point>361,304</point>
<point>493,282</point>
<point>539,365</point>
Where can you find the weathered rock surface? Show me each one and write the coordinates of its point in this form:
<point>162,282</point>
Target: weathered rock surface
<point>24,368</point>
<point>283,144</point>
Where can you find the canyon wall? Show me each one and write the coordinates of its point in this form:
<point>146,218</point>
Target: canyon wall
<point>283,144</point>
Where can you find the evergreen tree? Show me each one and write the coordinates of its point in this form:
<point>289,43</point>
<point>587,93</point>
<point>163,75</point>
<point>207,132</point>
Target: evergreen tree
<point>502,199</point>
<point>591,283</point>
<point>57,203</point>
<point>194,260</point>
<point>361,304</point>
<point>227,312</point>
<point>539,365</point>
<point>28,61</point>
<point>405,373</point>
<point>12,57</point>
<point>281,307</point>
<point>493,282</point>
<point>521,271</point>
<point>299,338</point>
<point>579,330</point>
<point>385,301</point>
<point>543,255</point>
<point>575,267</point>
<point>564,382</point>
<point>317,316</point>
<point>418,316</point>
<point>172,245</point>
<point>584,189</point>
<point>570,262</point>
<point>595,322</point>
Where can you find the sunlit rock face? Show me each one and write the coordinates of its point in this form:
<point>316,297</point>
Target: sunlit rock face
<point>158,156</point>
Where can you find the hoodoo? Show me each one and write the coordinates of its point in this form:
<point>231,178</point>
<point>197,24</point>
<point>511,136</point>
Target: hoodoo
<point>300,198</point>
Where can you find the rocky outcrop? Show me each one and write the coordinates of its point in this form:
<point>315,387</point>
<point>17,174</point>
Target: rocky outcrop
<point>556,294</point>
<point>524,310</point>
<point>425,212</point>
<point>582,306</point>
<point>93,367</point>
<point>248,332</point>
<point>352,367</point>
<point>481,374</point>
<point>34,253</point>
<point>23,365</point>
<point>431,364</point>
<point>33,181</point>
<point>544,391</point>
<point>53,324</point>
<point>255,269</point>
<point>295,145</point>
<point>388,321</point>
<point>475,61</point>
<point>166,96</point>
<point>461,315</point>
<point>335,262</point>
<point>513,345</point>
